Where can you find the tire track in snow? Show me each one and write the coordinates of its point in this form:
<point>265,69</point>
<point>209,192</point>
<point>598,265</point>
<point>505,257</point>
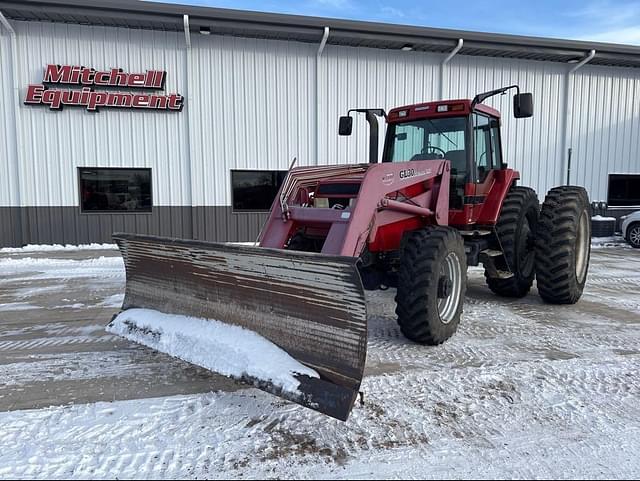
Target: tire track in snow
<point>42,343</point>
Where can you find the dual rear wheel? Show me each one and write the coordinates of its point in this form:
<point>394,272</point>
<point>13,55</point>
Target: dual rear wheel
<point>552,243</point>
<point>553,246</point>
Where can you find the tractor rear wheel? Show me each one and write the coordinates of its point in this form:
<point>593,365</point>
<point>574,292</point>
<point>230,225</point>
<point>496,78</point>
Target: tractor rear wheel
<point>563,245</point>
<point>516,230</point>
<point>432,281</point>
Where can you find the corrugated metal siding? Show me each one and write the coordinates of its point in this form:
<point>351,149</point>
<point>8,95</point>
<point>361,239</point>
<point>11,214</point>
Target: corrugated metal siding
<point>352,77</point>
<point>256,104</point>
<point>533,146</point>
<point>67,225</point>
<point>58,142</point>
<point>251,106</point>
<point>604,126</point>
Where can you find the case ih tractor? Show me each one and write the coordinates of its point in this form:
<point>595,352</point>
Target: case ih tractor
<point>442,199</point>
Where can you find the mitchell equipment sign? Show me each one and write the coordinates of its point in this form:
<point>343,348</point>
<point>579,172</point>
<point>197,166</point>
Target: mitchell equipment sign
<point>92,100</point>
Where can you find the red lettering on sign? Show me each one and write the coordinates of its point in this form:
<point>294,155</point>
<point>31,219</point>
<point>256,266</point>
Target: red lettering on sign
<point>57,74</point>
<point>92,100</point>
<point>34,94</point>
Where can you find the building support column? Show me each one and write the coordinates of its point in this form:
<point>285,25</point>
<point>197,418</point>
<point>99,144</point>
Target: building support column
<point>316,130</point>
<point>14,135</point>
<point>568,115</point>
<point>188,149</point>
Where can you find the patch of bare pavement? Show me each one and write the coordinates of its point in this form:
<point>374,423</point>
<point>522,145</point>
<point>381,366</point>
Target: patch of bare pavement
<point>54,350</point>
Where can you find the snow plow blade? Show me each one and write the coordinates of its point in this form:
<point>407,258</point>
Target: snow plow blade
<point>311,306</point>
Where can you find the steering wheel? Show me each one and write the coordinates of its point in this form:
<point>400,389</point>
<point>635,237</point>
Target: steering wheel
<point>433,147</point>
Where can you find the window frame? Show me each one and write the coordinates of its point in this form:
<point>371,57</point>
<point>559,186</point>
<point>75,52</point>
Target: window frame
<point>489,147</point>
<point>253,211</point>
<point>498,127</point>
<point>625,206</point>
<point>388,150</point>
<point>84,211</point>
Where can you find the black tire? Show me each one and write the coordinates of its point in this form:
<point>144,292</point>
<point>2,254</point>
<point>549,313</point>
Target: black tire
<point>516,231</point>
<point>563,245</point>
<point>633,235</point>
<point>430,257</point>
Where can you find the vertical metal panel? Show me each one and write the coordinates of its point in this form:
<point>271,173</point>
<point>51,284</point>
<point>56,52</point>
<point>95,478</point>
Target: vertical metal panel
<point>8,182</point>
<point>58,142</point>
<point>604,126</point>
<point>252,106</point>
<point>367,78</point>
<point>533,146</point>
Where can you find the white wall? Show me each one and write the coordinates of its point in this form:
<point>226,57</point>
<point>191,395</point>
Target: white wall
<point>367,78</point>
<point>257,104</point>
<point>56,143</point>
<point>251,106</point>
<point>603,126</point>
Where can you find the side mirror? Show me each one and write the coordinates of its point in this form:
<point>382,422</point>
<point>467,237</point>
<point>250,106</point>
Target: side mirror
<point>523,106</point>
<point>346,126</point>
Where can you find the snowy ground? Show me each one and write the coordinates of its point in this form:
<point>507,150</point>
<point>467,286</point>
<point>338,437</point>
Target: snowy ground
<point>523,390</point>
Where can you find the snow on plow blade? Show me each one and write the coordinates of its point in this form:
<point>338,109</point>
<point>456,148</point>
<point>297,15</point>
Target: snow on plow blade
<point>310,305</point>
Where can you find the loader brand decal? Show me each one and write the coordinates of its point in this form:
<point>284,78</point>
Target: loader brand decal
<point>408,173</point>
<point>85,79</point>
<point>388,178</point>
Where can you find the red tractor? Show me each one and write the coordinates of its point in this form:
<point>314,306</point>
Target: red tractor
<point>441,199</point>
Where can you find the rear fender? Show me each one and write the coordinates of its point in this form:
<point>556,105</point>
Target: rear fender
<point>502,182</point>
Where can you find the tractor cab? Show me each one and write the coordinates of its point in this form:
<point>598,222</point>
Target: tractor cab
<point>464,132</point>
<point>468,137</point>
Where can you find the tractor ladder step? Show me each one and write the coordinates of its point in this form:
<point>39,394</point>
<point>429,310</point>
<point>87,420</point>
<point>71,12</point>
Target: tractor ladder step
<point>488,257</point>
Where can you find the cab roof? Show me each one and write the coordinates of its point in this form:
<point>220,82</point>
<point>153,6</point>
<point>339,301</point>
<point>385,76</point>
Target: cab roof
<point>443,108</point>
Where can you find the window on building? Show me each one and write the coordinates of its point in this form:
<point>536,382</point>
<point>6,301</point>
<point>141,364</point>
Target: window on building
<point>254,190</point>
<point>624,190</point>
<point>115,190</point>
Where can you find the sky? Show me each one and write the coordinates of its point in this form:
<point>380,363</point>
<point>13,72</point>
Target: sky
<point>596,20</point>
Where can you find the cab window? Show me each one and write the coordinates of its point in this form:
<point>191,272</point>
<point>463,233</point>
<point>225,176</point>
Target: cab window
<point>483,155</point>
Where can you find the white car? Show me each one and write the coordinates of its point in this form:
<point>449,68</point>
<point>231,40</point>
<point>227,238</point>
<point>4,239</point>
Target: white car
<point>631,228</point>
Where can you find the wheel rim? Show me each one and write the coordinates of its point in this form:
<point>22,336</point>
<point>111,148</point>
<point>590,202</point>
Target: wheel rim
<point>582,247</point>
<point>634,236</point>
<point>451,274</point>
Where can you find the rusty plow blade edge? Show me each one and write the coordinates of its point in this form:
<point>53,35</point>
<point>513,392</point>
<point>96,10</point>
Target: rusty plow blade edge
<point>310,305</point>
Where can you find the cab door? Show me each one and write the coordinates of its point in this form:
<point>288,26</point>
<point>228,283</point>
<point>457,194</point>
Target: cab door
<point>487,158</point>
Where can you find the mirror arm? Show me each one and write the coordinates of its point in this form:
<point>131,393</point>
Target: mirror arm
<point>478,99</point>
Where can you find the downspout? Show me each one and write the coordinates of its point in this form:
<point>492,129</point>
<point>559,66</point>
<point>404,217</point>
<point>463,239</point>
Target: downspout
<point>187,31</point>
<point>565,170</point>
<point>584,61</point>
<point>316,133</point>
<point>452,54</point>
<point>188,151</point>
<point>14,133</point>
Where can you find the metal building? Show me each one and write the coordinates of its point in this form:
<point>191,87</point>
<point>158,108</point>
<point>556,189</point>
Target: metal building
<point>82,157</point>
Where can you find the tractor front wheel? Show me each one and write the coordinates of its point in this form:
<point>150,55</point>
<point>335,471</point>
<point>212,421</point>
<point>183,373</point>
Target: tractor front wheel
<point>563,245</point>
<point>432,281</point>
